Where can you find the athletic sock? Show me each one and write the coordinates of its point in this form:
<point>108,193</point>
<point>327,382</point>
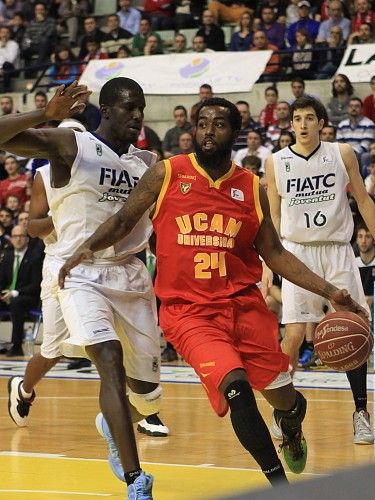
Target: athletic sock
<point>24,394</point>
<point>358,384</point>
<point>131,476</point>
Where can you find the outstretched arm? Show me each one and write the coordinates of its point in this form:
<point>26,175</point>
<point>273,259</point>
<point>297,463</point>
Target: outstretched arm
<point>288,266</point>
<point>143,196</point>
<point>17,135</point>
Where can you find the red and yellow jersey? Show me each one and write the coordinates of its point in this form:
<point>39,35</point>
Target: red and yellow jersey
<point>205,232</point>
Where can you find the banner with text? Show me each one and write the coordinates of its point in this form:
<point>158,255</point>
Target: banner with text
<point>182,73</point>
<point>358,63</point>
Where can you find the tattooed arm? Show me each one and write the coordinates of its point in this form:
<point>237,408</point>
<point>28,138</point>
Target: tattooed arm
<point>143,196</point>
<point>288,266</point>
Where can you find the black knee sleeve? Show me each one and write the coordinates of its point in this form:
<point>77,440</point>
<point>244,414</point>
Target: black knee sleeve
<point>290,421</point>
<point>250,427</point>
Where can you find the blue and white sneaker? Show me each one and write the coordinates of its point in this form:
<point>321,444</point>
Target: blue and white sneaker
<point>113,457</point>
<point>141,489</point>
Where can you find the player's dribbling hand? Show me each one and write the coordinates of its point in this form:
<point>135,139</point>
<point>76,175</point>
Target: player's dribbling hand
<point>81,255</point>
<point>68,100</point>
<point>342,301</point>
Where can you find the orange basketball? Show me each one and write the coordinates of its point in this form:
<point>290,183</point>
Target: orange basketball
<point>343,341</point>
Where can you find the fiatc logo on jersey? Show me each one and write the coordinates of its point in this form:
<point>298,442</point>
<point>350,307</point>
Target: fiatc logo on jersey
<point>312,189</point>
<point>121,182</point>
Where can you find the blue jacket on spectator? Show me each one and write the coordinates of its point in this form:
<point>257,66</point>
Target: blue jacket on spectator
<point>311,26</point>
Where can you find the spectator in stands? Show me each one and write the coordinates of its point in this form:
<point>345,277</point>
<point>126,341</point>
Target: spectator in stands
<point>260,42</point>
<point>369,102</point>
<point>20,278</point>
<point>329,58</point>
<point>302,55</point>
<point>357,130</point>
<point>93,51</point>
<point>278,7</point>
<point>337,107</point>
<point>247,124</point>
<point>328,133</point>
<point>241,40</point>
<point>305,22</point>
<point>267,115</point>
<point>366,260</point>
<point>336,18</point>
<point>370,179</point>
<point>160,13</point>
<point>69,12</point>
<point>254,147</point>
<point>90,116</point>
<point>298,86</point>
<point>286,138</point>
<point>185,143</point>
<point>23,219</point>
<point>274,30</point>
<point>115,36</point>
<point>205,92</point>
<point>282,124</point>
<point>212,34</point>
<point>6,219</point>
<point>9,58</point>
<point>227,11</point>
<point>365,34</point>
<point>292,12</point>
<point>64,68</point>
<point>152,46</point>
<point>16,184</point>
<point>199,45</point>
<point>39,39</point>
<point>91,29</point>
<point>130,17</point>
<point>148,139</point>
<point>252,163</point>
<point>17,25</point>
<point>123,52</point>
<point>363,14</point>
<point>7,105</point>
<point>188,13</point>
<point>170,144</point>
<point>139,40</point>
<point>40,99</point>
<point>12,203</point>
<point>8,8</point>
<point>179,44</point>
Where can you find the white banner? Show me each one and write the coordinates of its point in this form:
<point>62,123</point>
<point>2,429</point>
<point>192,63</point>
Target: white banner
<point>358,63</point>
<point>182,73</point>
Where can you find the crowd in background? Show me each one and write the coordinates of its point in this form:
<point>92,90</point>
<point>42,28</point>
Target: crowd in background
<point>306,37</point>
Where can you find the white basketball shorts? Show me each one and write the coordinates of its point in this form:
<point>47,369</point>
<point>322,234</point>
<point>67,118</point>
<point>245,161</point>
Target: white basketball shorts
<point>333,262</point>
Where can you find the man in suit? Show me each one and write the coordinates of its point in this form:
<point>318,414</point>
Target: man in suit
<point>20,278</point>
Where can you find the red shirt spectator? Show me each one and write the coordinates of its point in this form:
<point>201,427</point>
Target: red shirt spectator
<point>369,102</point>
<point>16,184</point>
<point>363,14</point>
<point>268,114</point>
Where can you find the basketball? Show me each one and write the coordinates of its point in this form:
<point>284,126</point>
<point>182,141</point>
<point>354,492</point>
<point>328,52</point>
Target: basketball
<point>343,341</point>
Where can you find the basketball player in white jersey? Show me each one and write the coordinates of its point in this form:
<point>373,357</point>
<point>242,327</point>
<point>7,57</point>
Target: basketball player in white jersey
<point>309,207</point>
<point>109,307</point>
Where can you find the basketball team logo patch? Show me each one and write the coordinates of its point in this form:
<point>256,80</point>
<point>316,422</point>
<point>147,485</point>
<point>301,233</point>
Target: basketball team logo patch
<point>237,194</point>
<point>185,187</point>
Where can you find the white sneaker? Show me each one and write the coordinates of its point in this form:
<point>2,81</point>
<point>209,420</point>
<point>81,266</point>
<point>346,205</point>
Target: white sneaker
<point>153,426</point>
<point>363,433</point>
<point>18,406</point>
<point>275,430</point>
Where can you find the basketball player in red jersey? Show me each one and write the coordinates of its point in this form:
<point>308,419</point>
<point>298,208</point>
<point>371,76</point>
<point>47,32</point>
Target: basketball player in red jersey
<point>212,222</point>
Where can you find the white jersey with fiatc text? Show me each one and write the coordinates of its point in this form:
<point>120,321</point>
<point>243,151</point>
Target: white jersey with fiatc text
<point>100,183</point>
<point>314,204</point>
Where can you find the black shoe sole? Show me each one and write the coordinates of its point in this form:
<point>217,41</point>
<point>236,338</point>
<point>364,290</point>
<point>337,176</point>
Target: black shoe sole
<point>151,433</point>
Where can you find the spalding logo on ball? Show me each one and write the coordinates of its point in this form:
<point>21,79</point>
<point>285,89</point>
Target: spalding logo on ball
<point>343,341</point>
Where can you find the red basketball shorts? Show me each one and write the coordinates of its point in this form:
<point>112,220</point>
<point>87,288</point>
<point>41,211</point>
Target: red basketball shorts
<point>218,338</point>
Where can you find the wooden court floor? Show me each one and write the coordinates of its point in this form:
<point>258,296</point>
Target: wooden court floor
<point>61,456</point>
